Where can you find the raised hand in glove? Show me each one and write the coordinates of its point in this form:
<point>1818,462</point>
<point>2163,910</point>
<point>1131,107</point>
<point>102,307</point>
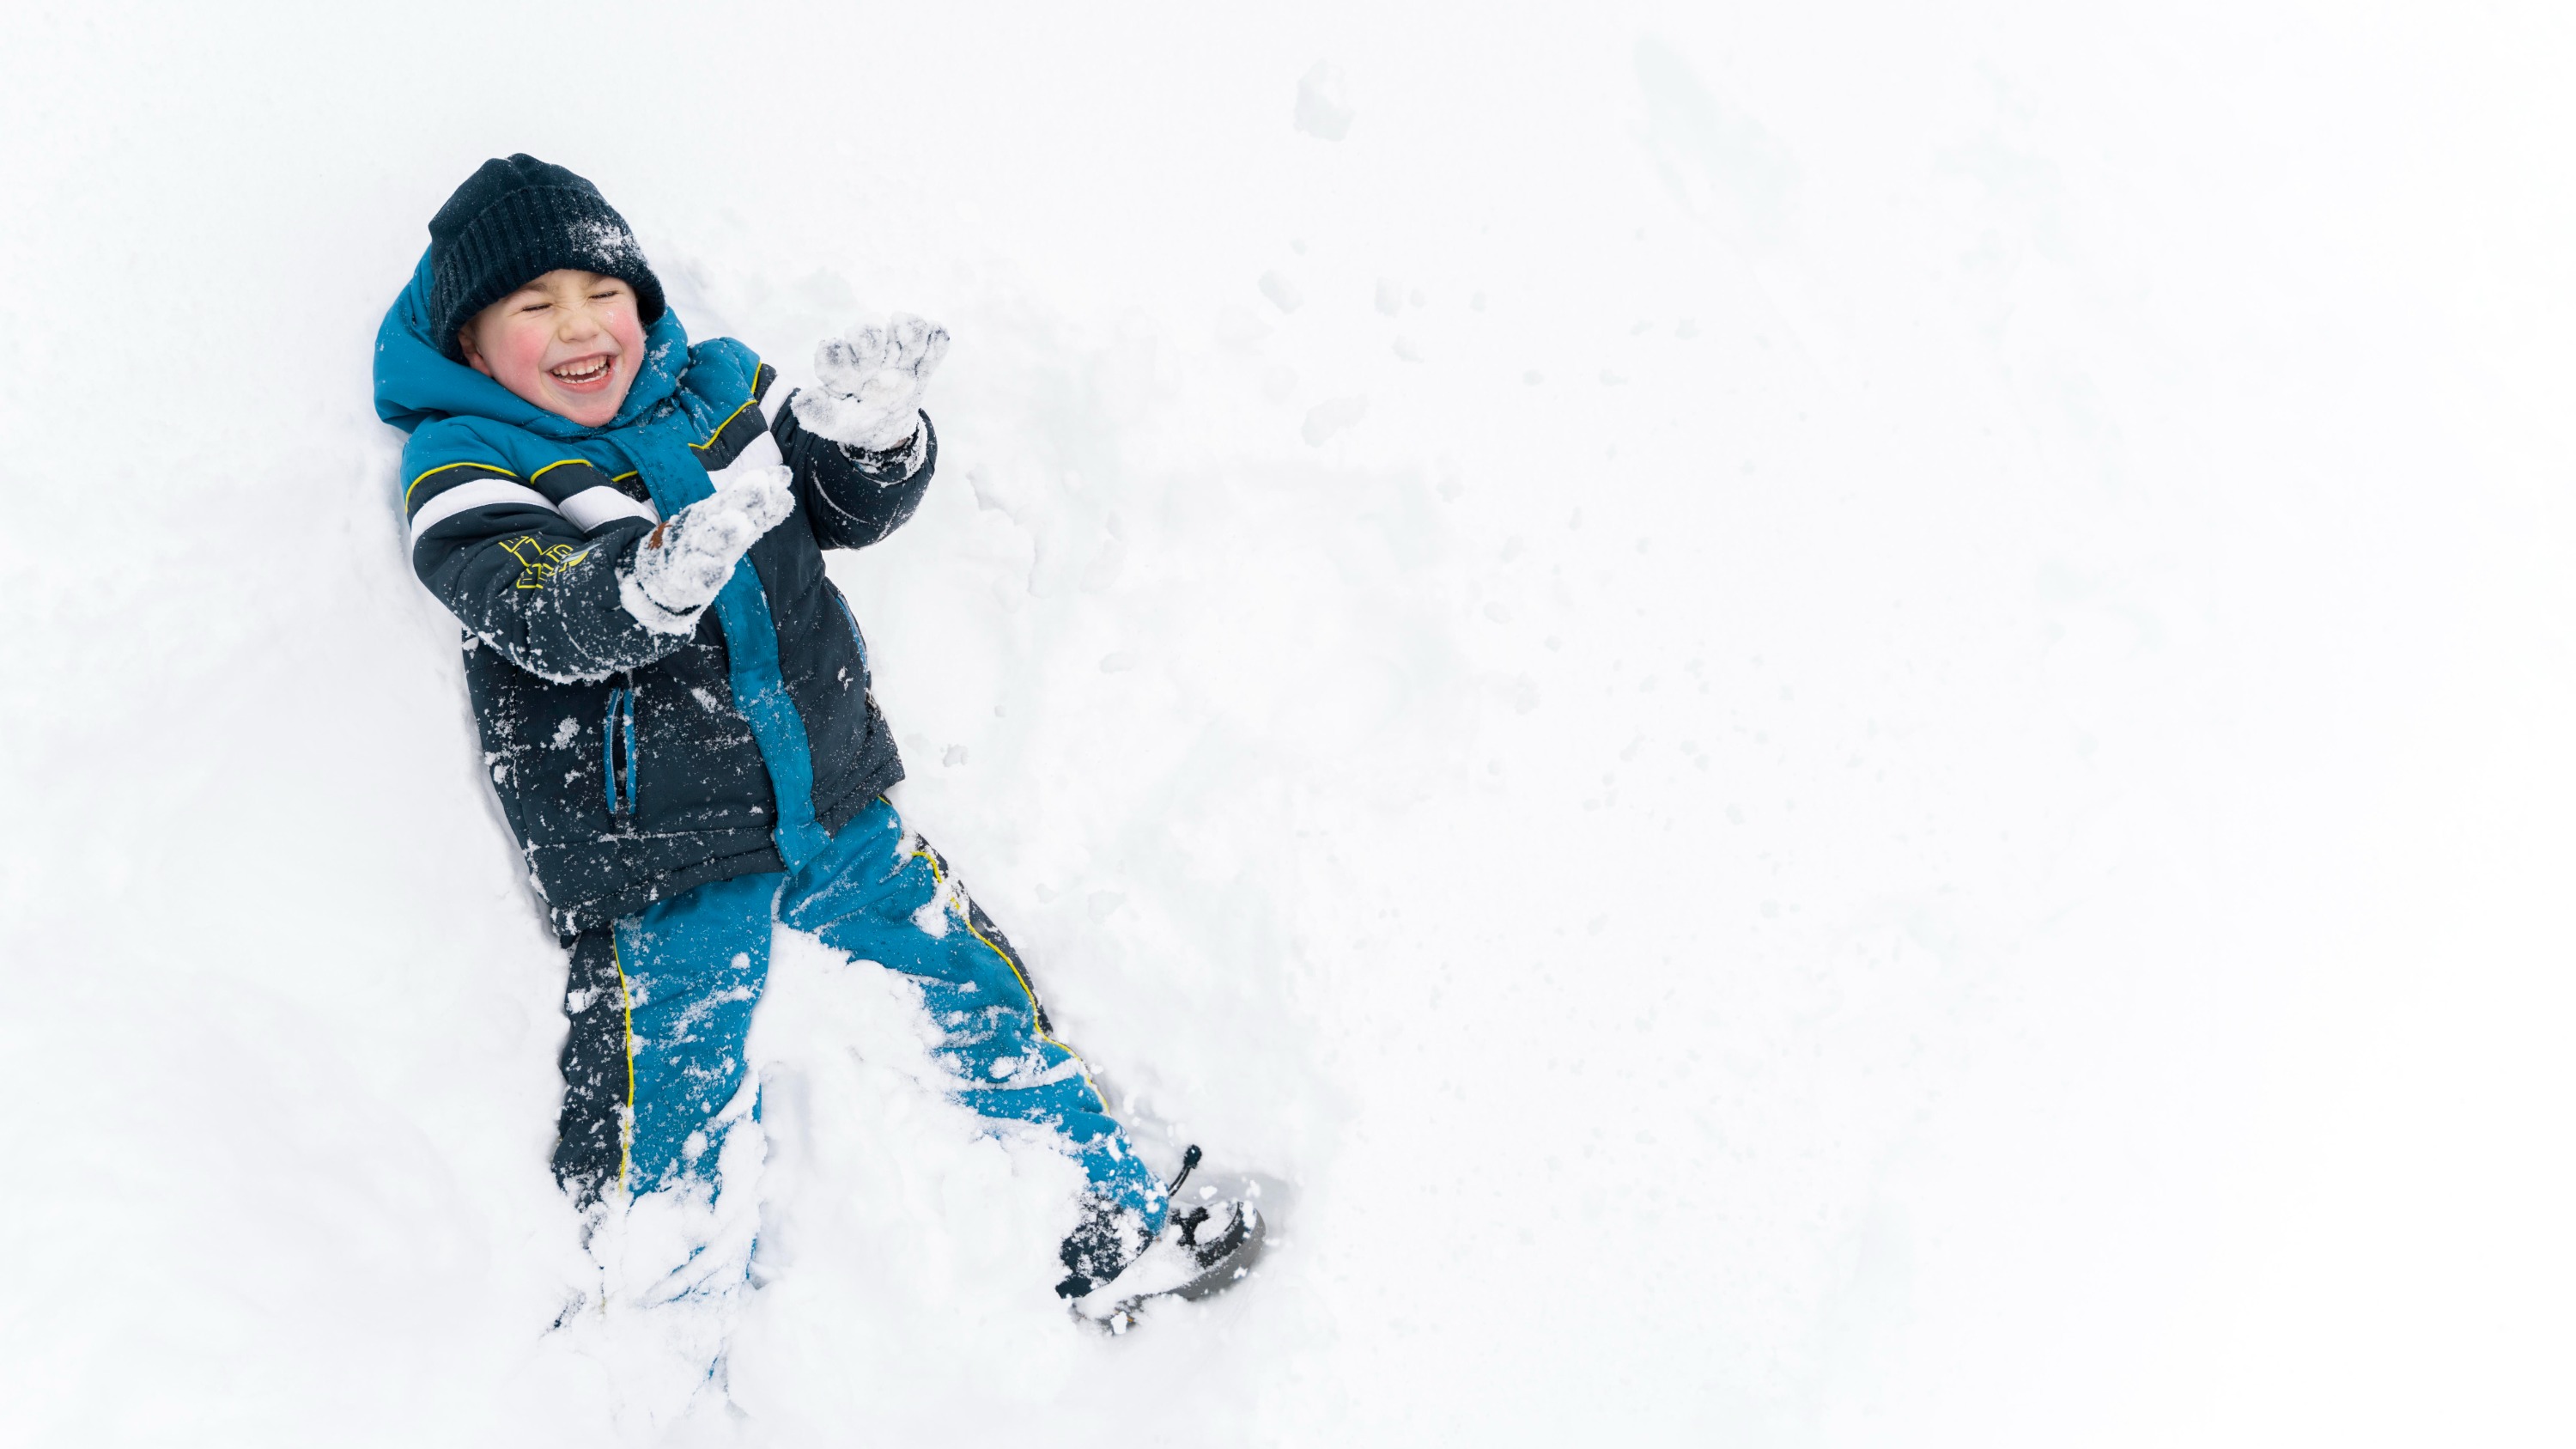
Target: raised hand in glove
<point>872,381</point>
<point>679,567</point>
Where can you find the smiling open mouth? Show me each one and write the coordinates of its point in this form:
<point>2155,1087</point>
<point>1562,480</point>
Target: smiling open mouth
<point>588,369</point>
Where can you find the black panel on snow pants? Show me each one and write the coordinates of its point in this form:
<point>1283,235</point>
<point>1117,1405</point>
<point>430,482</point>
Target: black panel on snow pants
<point>590,1145</point>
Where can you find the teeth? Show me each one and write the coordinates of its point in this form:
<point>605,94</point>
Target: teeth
<point>582,371</point>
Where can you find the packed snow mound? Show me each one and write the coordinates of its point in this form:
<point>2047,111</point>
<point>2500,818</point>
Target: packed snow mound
<point>1835,726</point>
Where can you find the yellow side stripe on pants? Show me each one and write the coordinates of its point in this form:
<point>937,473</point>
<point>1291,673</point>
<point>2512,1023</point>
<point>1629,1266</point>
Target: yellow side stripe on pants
<point>626,1115</point>
<point>1037,1018</point>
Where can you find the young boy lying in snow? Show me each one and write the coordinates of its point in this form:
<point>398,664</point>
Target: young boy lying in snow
<point>675,708</point>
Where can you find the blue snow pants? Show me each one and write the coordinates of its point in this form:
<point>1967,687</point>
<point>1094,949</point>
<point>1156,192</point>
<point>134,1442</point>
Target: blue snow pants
<point>662,1003</point>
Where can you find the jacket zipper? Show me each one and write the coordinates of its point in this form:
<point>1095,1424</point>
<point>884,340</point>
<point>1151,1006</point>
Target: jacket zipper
<point>619,720</point>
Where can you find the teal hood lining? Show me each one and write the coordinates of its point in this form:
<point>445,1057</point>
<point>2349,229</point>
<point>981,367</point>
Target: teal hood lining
<point>416,383</point>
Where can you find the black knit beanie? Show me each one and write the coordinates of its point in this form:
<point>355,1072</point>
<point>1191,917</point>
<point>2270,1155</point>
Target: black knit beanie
<point>514,221</point>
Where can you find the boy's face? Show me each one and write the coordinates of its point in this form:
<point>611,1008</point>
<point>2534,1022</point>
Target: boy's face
<point>568,342</point>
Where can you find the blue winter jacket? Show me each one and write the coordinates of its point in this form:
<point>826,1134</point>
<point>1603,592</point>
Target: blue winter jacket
<point>636,765</point>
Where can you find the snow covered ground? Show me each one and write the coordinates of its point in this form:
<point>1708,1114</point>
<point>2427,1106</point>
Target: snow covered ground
<point>1832,724</point>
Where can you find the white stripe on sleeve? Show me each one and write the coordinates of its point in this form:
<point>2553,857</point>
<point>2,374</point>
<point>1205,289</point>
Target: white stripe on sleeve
<point>761,452</point>
<point>600,504</point>
<point>481,493</point>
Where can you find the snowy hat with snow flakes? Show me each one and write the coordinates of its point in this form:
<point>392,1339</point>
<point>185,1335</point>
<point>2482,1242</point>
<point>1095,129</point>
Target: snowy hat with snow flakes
<point>519,219</point>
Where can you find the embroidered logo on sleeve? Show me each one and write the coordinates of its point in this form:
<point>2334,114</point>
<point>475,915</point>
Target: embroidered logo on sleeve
<point>539,562</point>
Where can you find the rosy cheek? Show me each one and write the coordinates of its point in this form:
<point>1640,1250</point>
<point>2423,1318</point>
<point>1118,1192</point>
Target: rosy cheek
<point>528,352</point>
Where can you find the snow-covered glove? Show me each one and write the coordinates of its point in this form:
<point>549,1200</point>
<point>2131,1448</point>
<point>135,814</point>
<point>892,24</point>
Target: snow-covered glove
<point>682,564</point>
<point>872,380</point>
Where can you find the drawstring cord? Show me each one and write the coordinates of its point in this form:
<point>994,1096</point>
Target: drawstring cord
<point>1189,1160</point>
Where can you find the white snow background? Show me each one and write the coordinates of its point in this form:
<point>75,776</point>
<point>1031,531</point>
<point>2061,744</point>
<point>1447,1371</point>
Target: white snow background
<point>1832,724</point>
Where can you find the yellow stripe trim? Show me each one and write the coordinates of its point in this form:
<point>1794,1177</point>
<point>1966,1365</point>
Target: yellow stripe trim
<point>557,463</point>
<point>626,1119</point>
<point>443,467</point>
<point>728,422</point>
<point>1036,1021</point>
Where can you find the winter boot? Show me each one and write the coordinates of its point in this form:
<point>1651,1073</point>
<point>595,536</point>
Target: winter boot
<point>1207,1245</point>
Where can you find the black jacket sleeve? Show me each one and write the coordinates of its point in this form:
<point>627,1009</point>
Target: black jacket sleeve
<point>851,497</point>
<point>524,580</point>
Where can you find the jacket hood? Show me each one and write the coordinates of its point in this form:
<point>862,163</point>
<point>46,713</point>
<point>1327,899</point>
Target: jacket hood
<point>416,383</point>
